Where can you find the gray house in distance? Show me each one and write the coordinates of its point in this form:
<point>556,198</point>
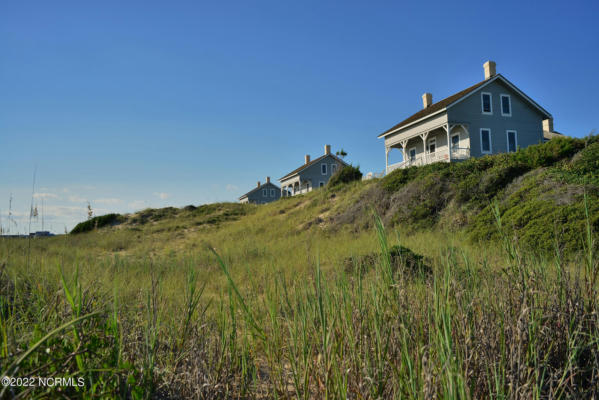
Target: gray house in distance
<point>492,116</point>
<point>262,194</point>
<point>312,174</point>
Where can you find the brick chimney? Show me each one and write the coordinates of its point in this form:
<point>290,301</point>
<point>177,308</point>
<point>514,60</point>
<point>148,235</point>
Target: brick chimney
<point>548,124</point>
<point>427,100</point>
<point>489,67</point>
<point>327,149</point>
<point>306,158</point>
<point>258,185</point>
<point>268,179</point>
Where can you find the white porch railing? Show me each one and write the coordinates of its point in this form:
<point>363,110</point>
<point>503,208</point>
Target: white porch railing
<point>460,153</point>
<point>457,153</point>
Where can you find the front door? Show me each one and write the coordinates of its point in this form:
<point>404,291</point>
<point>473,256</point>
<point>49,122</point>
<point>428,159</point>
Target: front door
<point>455,142</point>
<point>413,154</point>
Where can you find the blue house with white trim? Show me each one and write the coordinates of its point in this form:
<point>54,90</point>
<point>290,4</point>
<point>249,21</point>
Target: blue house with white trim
<point>492,116</point>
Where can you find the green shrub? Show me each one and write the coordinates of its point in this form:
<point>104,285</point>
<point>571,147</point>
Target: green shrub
<point>546,154</point>
<point>398,178</point>
<point>587,161</point>
<point>98,222</point>
<point>345,175</point>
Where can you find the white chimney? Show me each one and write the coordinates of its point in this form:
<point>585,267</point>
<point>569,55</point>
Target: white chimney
<point>548,124</point>
<point>268,179</point>
<point>327,149</point>
<point>489,67</point>
<point>427,100</point>
<point>306,158</point>
<point>258,184</point>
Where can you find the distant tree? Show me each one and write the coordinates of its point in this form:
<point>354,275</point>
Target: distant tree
<point>90,212</point>
<point>341,153</point>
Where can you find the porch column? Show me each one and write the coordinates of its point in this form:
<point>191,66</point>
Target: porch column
<point>424,136</point>
<point>448,129</point>
<point>386,158</point>
<point>404,144</point>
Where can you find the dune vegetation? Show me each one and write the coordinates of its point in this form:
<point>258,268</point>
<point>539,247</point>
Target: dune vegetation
<point>469,280</point>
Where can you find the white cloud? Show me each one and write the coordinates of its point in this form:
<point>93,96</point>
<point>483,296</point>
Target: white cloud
<point>45,196</point>
<point>109,201</point>
<point>162,195</point>
<point>231,188</point>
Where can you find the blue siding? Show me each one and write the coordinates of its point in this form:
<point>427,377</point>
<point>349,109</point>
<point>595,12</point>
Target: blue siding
<point>526,120</point>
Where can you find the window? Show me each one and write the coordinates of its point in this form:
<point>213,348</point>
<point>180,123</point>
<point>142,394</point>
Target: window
<point>323,169</point>
<point>485,141</point>
<point>455,141</point>
<point>487,104</point>
<point>321,184</point>
<point>512,141</point>
<point>506,105</point>
<point>412,154</point>
<point>272,193</point>
<point>431,145</point>
<point>264,192</point>
<point>333,168</point>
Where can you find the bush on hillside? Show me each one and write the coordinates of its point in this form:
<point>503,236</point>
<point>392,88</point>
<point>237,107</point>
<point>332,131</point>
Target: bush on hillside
<point>153,215</point>
<point>587,161</point>
<point>401,257</point>
<point>345,175</point>
<point>98,222</point>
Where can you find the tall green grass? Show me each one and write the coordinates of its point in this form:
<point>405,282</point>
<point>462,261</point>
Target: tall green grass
<point>486,323</point>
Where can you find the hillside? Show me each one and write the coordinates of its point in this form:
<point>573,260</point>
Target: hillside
<point>470,280</point>
<point>539,194</point>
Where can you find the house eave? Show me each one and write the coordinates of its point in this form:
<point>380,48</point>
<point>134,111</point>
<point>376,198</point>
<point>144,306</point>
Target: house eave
<point>401,128</point>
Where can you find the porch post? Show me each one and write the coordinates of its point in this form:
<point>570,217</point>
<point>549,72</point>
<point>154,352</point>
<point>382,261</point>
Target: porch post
<point>403,151</point>
<point>386,159</point>
<point>424,136</point>
<point>449,141</point>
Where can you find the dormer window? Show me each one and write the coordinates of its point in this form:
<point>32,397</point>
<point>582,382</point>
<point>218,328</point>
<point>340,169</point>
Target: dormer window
<point>486,103</point>
<point>506,105</point>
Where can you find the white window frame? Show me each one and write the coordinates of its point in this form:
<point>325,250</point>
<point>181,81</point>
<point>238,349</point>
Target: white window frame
<point>451,140</point>
<point>507,137</point>
<point>415,154</point>
<point>490,141</point>
<point>509,100</point>
<point>321,184</point>
<point>482,103</point>
<point>323,169</point>
<point>333,168</point>
<point>264,192</point>
<point>428,146</point>
<point>272,193</point>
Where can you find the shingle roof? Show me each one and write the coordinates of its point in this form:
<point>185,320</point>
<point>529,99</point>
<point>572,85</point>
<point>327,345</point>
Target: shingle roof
<point>297,170</point>
<point>258,188</point>
<point>435,107</point>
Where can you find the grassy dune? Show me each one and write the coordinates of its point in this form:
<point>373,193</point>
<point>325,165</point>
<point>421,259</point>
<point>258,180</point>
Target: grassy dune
<point>308,297</point>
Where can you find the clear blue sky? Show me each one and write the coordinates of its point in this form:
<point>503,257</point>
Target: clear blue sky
<point>133,104</point>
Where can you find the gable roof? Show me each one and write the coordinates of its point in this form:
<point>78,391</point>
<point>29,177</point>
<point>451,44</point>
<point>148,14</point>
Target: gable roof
<point>303,167</point>
<point>456,98</point>
<point>258,188</point>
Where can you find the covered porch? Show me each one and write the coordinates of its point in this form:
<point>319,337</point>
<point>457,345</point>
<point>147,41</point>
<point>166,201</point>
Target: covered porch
<point>444,143</point>
<point>295,186</point>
